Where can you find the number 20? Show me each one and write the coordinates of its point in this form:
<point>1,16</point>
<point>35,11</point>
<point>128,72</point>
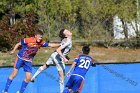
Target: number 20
<point>84,63</point>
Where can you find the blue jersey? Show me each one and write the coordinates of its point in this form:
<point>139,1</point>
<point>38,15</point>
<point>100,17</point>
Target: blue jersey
<point>83,63</point>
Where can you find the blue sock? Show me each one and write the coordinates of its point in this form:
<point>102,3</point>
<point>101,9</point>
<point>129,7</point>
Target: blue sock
<point>23,86</point>
<point>66,90</point>
<point>8,83</point>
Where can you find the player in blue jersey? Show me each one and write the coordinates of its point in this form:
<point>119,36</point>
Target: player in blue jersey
<point>24,58</point>
<point>82,64</point>
<point>59,57</point>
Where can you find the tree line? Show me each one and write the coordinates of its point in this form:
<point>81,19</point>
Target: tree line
<point>87,19</point>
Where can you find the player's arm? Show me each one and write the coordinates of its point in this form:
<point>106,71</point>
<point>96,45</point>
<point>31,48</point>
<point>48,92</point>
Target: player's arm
<point>72,66</point>
<point>22,42</point>
<point>46,44</point>
<point>15,48</point>
<point>54,44</point>
<point>58,50</point>
<point>63,45</point>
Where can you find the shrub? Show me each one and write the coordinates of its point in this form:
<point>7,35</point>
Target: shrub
<point>12,34</point>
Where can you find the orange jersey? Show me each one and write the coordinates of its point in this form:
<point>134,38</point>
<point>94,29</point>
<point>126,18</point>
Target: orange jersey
<point>30,47</point>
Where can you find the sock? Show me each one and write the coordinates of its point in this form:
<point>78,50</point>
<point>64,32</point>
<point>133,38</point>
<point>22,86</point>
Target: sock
<point>37,73</point>
<point>61,86</point>
<point>66,91</point>
<point>23,86</point>
<point>8,83</point>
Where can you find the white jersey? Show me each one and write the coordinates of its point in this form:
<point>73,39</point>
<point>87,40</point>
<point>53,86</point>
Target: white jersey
<point>56,59</point>
<point>66,44</point>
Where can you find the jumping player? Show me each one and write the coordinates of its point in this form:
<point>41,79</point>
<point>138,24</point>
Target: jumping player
<point>59,57</point>
<point>82,64</point>
<point>25,57</point>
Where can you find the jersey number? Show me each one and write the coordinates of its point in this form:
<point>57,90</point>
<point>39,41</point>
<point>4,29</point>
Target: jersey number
<point>84,63</point>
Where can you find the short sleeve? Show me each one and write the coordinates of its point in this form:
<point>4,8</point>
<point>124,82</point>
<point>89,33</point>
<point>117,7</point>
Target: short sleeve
<point>76,59</point>
<point>24,41</point>
<point>44,44</point>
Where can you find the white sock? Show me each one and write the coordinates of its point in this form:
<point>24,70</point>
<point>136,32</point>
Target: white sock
<point>37,73</point>
<point>61,86</point>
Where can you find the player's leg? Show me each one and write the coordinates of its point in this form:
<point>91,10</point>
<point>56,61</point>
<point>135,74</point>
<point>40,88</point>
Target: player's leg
<point>61,81</point>
<point>60,67</point>
<point>17,65</point>
<point>25,82</point>
<point>40,69</point>
<point>61,72</point>
<point>28,70</point>
<point>10,79</point>
<point>69,85</point>
<point>78,84</point>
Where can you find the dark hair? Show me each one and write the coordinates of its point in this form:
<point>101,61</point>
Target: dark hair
<point>86,49</point>
<point>61,34</point>
<point>39,32</point>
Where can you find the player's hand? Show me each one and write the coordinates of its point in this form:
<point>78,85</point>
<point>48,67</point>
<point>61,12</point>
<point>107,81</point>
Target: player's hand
<point>68,74</point>
<point>12,52</point>
<point>66,60</point>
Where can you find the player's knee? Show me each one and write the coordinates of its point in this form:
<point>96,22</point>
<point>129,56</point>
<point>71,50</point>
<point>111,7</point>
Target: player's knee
<point>61,82</point>
<point>12,76</point>
<point>47,66</point>
<point>28,78</point>
<point>14,73</point>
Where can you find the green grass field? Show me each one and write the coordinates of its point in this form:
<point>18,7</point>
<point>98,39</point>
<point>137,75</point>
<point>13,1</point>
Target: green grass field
<point>102,55</point>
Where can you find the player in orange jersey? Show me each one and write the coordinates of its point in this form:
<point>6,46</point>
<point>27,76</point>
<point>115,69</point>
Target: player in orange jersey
<point>25,57</point>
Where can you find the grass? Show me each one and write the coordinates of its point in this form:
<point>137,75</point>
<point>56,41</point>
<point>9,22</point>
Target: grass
<point>102,55</point>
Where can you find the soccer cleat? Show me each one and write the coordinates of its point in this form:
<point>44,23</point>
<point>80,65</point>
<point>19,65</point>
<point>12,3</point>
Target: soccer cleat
<point>4,91</point>
<point>33,81</point>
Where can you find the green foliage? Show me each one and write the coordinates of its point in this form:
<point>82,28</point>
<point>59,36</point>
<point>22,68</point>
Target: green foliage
<point>87,19</point>
<point>10,35</point>
<point>127,10</point>
<point>3,4</point>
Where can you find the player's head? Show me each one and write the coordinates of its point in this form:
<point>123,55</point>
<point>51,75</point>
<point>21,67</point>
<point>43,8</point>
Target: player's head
<point>38,36</point>
<point>86,49</point>
<point>64,33</point>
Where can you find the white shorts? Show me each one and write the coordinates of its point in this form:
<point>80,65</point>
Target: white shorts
<point>55,59</point>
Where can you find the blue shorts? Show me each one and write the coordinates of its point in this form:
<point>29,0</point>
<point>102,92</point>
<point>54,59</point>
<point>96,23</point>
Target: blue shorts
<point>27,66</point>
<point>75,83</point>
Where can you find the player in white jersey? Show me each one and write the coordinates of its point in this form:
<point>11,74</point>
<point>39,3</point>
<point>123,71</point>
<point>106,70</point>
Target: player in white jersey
<point>59,57</point>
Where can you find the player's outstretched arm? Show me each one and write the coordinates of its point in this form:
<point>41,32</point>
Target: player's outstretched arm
<point>54,44</point>
<point>72,66</point>
<point>16,46</point>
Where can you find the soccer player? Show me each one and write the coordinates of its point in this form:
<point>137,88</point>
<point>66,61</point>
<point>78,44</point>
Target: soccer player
<point>59,57</point>
<point>82,64</point>
<point>25,57</point>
